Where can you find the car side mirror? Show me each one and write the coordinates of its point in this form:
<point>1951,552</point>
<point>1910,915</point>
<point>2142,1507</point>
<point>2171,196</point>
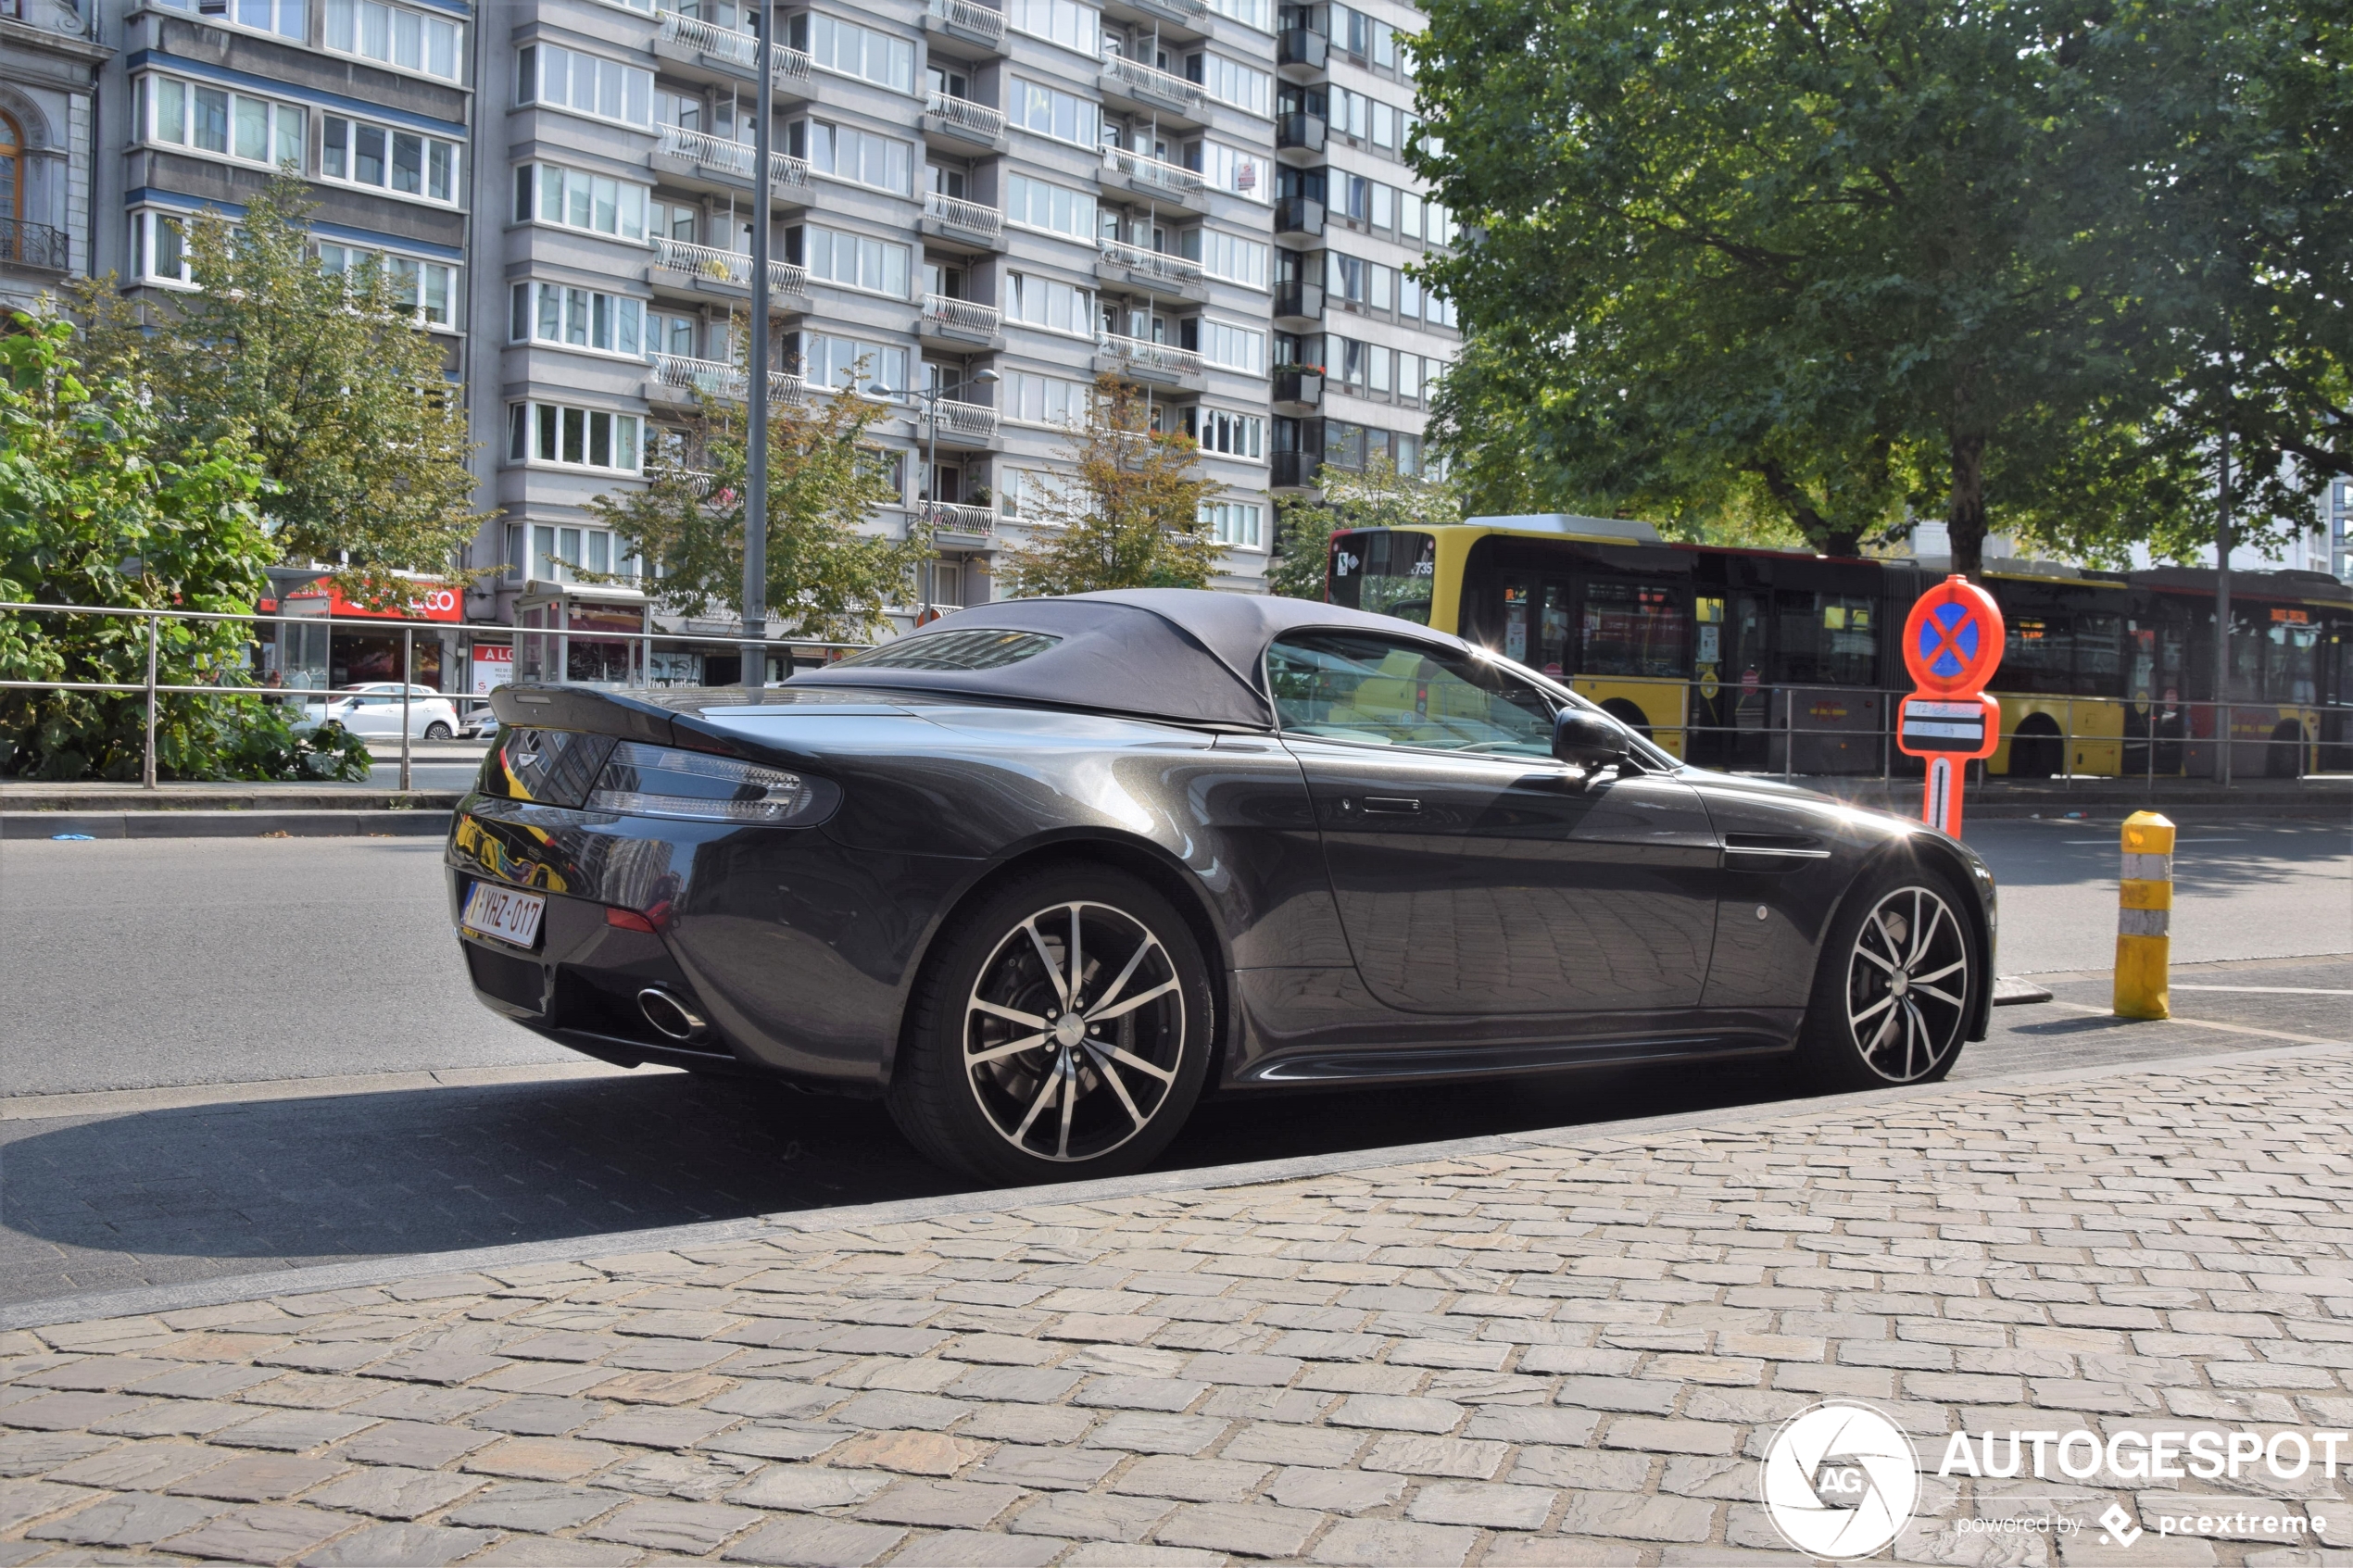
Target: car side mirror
<point>1587,740</point>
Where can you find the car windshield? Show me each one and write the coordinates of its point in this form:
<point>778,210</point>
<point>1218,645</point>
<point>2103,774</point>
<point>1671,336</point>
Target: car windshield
<point>1343,685</point>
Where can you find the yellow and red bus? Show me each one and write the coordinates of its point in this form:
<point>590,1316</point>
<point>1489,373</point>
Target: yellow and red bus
<point>1784,660</point>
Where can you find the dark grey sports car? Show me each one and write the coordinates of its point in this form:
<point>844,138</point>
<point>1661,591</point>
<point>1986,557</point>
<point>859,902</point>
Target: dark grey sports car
<point>1045,872</point>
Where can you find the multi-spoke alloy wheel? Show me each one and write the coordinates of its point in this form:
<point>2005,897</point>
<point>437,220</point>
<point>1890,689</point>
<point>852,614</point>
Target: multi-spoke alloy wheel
<point>1075,1031</point>
<point>1065,1028</point>
<point>1907,985</point>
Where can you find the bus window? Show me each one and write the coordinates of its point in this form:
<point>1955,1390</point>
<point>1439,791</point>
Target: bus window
<point>1552,651</point>
<point>2288,660</point>
<point>2038,654</point>
<point>1385,571</point>
<point>2248,629</point>
<point>2099,655</point>
<point>1825,639</point>
<point>1516,609</point>
<point>1634,630</point>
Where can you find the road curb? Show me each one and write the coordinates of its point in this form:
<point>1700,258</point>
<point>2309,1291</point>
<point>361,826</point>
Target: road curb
<point>173,822</point>
<point>387,1268</point>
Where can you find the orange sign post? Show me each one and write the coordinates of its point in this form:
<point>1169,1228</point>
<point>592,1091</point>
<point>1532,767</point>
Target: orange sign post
<point>1952,645</point>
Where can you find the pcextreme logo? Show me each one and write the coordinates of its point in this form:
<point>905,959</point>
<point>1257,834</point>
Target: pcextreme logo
<point>1840,1480</point>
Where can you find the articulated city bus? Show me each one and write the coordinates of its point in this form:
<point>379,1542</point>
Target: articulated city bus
<point>1781,660</point>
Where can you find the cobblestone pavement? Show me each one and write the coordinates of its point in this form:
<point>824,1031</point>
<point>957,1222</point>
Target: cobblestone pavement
<point>1570,1350</point>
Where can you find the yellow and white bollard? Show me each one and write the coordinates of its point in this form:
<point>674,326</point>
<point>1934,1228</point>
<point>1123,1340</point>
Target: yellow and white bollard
<point>2143,918</point>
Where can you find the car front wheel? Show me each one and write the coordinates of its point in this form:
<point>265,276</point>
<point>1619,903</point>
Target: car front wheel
<point>1061,1031</point>
<point>437,731</point>
<point>1898,982</point>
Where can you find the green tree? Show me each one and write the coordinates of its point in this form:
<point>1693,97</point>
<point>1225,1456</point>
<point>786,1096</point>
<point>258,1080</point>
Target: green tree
<point>1854,255</point>
<point>1378,497</point>
<point>98,508</point>
<point>828,578</point>
<point>1126,516</point>
<point>346,403</point>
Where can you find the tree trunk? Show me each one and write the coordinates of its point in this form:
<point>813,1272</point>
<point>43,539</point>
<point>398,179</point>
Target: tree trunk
<point>1965,518</point>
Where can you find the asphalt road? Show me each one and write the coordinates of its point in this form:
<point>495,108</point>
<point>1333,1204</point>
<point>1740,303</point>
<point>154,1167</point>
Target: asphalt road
<point>150,966</point>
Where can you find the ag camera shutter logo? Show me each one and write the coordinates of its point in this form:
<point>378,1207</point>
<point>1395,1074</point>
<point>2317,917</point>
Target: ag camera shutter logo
<point>1840,1480</point>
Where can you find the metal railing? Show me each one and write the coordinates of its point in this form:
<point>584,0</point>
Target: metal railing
<point>710,265</point>
<point>963,214</point>
<point>1152,81</point>
<point>731,159</point>
<point>974,420</point>
<point>792,67</point>
<point>949,516</point>
<point>962,315</point>
<point>972,18</point>
<point>717,378</point>
<point>978,118</point>
<point>1151,356</point>
<point>34,245</point>
<point>1158,263</point>
<point>1136,166</point>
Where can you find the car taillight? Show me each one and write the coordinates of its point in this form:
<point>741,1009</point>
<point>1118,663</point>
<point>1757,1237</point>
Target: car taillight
<point>653,781</point>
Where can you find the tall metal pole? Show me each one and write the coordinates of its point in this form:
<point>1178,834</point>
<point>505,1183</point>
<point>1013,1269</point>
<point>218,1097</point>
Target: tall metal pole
<point>2222,618</point>
<point>755,643</point>
<point>931,500</point>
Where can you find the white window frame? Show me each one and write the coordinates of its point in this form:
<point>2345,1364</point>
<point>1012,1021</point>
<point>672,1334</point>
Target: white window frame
<point>1222,518</point>
<point>1091,136</point>
<point>1051,389</point>
<point>154,87</point>
<point>1209,152</point>
<point>145,220</point>
<point>1253,334</point>
<point>806,134</point>
<point>1263,107</point>
<point>274,29</point>
<point>812,25</point>
<point>428,20</point>
<point>1018,217</point>
<point>1020,287</point>
<point>394,263</point>
<point>529,302</point>
<point>354,128</point>
<point>809,231</point>
<point>533,425</point>
<point>1259,13</point>
<point>885,364</point>
<point>1263,251</point>
<point>1083,24</point>
<point>535,180</point>
<point>531,76</point>
<point>1251,429</point>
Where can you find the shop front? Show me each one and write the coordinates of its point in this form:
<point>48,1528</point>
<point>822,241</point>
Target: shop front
<point>328,641</point>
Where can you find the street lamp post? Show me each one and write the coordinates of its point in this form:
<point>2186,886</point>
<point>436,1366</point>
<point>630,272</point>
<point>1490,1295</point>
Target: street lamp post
<point>755,642</point>
<point>932,394</point>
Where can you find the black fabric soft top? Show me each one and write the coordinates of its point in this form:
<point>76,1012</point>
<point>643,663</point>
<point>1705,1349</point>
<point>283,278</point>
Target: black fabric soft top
<point>1187,654</point>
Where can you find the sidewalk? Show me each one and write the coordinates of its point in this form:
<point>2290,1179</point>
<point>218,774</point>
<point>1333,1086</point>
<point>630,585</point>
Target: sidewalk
<point>1557,1347</point>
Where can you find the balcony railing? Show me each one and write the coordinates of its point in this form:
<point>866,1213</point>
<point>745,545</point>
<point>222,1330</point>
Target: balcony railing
<point>731,159</point>
<point>1299,300</point>
<point>1150,356</point>
<point>962,315</point>
<point>1183,10</point>
<point>717,378</point>
<point>1299,215</point>
<point>959,214</point>
<point>730,268</point>
<point>1302,46</point>
<point>33,244</point>
<point>792,68</point>
<point>1301,131</point>
<point>970,17</point>
<point>965,115</point>
<point>1158,263</point>
<point>1136,166</point>
<point>948,517</point>
<point>976,421</point>
<point>1150,79</point>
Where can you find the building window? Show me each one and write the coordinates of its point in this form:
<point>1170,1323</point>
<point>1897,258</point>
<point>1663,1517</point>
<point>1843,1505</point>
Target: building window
<point>1026,494</point>
<point>1250,13</point>
<point>844,152</point>
<point>829,363</point>
<point>1233,522</point>
<point>404,162</point>
<point>11,170</point>
<point>396,36</point>
<point>284,18</point>
<point>852,50</point>
<point>1229,169</point>
<point>567,79</point>
<point>1034,204</point>
<point>567,554</point>
<point>606,324</point>
<point>578,200</point>
<point>1046,111</point>
<point>429,288</point>
<point>1235,349</point>
<point>1058,21</point>
<point>573,438</point>
<point>1229,256</point>
<point>1044,302</point>
<point>159,248</point>
<point>1230,81</point>
<point>1228,434</point>
<point>214,119</point>
<point>1043,400</point>
<point>851,260</point>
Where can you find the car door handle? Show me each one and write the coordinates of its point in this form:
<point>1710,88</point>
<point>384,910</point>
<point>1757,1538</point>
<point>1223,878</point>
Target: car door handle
<point>1387,806</point>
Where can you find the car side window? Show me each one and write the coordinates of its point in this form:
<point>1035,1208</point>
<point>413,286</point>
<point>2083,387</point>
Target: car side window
<point>1385,691</point>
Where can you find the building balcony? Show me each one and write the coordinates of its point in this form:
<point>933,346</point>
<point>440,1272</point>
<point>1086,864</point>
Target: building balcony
<point>1160,181</point>
<point>706,268</point>
<point>1191,14</point>
<point>1145,360</point>
<point>729,163</point>
<point>1299,301</point>
<point>1302,49</point>
<point>678,379</point>
<point>949,520</point>
<point>1152,87</point>
<point>961,423</point>
<point>693,42</point>
<point>960,126</point>
<point>1299,133</point>
<point>1293,470</point>
<point>962,222</point>
<point>1153,271</point>
<point>961,322</point>
<point>36,245</point>
<point>1299,215</point>
<point>1303,391</point>
<point>966,29</point>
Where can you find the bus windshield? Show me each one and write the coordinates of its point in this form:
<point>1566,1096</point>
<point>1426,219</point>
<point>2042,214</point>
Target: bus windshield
<point>1386,572</point>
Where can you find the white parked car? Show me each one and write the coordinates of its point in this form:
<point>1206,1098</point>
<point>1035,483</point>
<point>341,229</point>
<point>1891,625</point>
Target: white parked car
<point>372,711</point>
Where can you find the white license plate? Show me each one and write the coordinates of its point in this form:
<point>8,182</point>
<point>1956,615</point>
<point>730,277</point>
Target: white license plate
<point>507,914</point>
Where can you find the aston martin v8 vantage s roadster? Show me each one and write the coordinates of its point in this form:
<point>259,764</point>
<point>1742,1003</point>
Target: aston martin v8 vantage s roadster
<point>1045,872</point>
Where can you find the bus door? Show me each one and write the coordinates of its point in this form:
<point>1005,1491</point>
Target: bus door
<point>1730,700</point>
<point>1535,608</point>
<point>2336,694</point>
<point>1633,656</point>
<point>2156,643</point>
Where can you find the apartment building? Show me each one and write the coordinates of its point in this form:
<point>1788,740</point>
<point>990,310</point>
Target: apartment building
<point>50,59</point>
<point>1041,192</point>
<point>1359,344</point>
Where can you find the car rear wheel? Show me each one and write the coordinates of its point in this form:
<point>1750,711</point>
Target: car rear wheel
<point>1899,982</point>
<point>1062,1030</point>
<point>437,731</point>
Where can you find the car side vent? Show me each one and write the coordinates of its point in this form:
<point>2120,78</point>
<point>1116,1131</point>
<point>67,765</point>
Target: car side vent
<point>553,766</point>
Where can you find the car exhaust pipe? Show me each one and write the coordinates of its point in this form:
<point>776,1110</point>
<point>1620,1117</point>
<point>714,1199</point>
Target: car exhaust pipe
<point>670,1016</point>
